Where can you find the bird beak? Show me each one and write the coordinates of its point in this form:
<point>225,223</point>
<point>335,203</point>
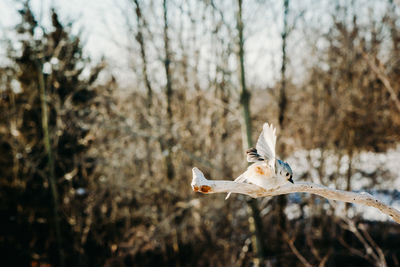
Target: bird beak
<point>291,180</point>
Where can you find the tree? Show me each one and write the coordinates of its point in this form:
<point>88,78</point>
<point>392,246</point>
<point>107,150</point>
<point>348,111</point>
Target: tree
<point>255,219</point>
<point>47,108</point>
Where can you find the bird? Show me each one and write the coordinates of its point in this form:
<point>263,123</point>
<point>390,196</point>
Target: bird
<point>266,171</point>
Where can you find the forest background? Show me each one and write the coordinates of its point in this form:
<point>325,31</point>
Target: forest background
<point>103,115</point>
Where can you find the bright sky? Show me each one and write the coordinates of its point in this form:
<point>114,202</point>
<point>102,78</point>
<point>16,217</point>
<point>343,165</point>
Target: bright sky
<point>89,16</point>
<point>104,26</point>
<point>105,33</point>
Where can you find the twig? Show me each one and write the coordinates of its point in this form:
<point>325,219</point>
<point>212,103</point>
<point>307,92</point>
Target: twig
<point>295,251</point>
<point>380,255</point>
<point>373,252</point>
<point>379,70</point>
<point>243,252</point>
<point>201,184</point>
<point>325,258</point>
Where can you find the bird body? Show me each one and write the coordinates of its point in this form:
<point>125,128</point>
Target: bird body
<point>263,175</point>
<point>267,171</point>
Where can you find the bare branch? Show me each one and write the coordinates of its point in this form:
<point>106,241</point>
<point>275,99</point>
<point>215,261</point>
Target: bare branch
<point>377,67</point>
<point>201,184</point>
<point>295,251</point>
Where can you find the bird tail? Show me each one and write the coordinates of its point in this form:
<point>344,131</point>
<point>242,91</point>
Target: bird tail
<point>240,179</point>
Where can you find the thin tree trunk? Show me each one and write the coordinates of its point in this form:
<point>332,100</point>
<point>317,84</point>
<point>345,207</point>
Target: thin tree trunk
<point>282,200</point>
<point>255,221</point>
<point>349,171</point>
<point>282,95</point>
<point>167,60</point>
<point>139,38</point>
<point>349,174</point>
<point>50,163</point>
<point>168,144</point>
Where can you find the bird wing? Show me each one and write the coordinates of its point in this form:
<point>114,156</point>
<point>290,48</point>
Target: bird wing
<point>253,156</point>
<point>266,142</point>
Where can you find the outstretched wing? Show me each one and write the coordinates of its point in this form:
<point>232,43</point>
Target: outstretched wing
<point>266,142</point>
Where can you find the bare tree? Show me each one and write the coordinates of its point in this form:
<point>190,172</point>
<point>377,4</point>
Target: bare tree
<point>282,92</point>
<point>282,201</point>
<point>255,221</point>
<point>139,38</point>
<point>50,159</point>
<point>166,145</point>
<point>141,24</point>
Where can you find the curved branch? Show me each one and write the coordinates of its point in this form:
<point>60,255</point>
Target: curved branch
<point>201,184</point>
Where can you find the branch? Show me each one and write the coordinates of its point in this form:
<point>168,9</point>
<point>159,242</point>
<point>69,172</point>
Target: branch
<point>295,251</point>
<point>379,70</point>
<point>201,184</point>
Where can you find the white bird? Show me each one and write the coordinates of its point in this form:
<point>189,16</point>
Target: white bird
<point>267,171</point>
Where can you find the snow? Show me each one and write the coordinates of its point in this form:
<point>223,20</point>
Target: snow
<point>375,173</point>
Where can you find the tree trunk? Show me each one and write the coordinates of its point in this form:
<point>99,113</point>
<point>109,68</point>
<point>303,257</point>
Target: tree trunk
<point>167,142</point>
<point>255,222</point>
<point>282,95</point>
<point>349,174</point>
<point>282,200</point>
<point>50,163</point>
<point>139,38</point>
<point>167,147</point>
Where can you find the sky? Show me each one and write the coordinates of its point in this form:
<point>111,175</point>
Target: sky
<point>105,33</point>
<point>89,17</point>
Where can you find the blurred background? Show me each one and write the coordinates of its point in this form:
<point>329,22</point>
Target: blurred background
<point>105,107</point>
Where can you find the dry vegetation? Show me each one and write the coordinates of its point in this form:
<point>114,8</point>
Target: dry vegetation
<point>91,176</point>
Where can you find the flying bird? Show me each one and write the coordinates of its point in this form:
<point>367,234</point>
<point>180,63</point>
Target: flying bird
<point>267,171</point>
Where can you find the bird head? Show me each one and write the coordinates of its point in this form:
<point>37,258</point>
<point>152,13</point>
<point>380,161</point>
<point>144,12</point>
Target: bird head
<point>283,169</point>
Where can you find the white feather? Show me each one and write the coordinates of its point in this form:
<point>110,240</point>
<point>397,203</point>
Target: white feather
<point>266,142</point>
<point>262,173</point>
